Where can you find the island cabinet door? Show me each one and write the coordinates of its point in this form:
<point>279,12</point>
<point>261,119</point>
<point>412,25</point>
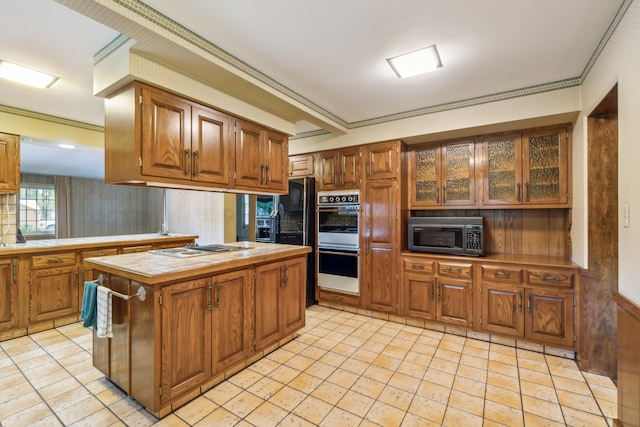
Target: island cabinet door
<point>54,293</point>
<point>231,319</point>
<point>269,279</point>
<point>186,337</point>
<point>293,290</point>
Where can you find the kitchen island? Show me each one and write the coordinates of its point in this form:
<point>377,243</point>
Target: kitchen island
<point>202,318</point>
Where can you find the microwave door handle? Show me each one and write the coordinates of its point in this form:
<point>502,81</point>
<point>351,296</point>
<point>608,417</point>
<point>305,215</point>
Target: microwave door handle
<point>353,254</point>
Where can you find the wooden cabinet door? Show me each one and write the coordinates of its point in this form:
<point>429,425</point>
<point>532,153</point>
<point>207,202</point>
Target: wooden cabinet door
<point>185,357</point>
<point>424,177</point>
<point>166,135</point>
<point>231,319</point>
<point>250,166</point>
<point>502,171</point>
<point>550,316</point>
<point>419,296</point>
<point>301,166</point>
<point>277,161</point>
<point>8,293</point>
<point>382,161</point>
<point>454,301</point>
<point>267,300</point>
<point>380,246</point>
<point>502,309</point>
<point>212,151</point>
<point>458,174</point>
<point>546,167</point>
<point>9,163</point>
<point>349,169</point>
<point>293,291</point>
<point>54,293</point>
<point>327,170</point>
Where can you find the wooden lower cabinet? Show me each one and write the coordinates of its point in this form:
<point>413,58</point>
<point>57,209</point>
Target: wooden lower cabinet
<point>454,301</point>
<point>501,308</point>
<point>8,293</point>
<point>420,296</point>
<point>550,316</point>
<point>53,286</point>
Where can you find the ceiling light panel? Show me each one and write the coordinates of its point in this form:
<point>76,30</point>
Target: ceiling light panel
<point>24,75</point>
<point>417,62</point>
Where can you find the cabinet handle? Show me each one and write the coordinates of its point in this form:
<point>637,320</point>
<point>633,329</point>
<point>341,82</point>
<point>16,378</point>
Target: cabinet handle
<point>528,302</point>
<point>75,278</point>
<point>544,277</point>
<point>337,298</point>
<point>196,156</point>
<point>286,274</point>
<point>433,288</point>
<point>526,192</point>
<point>520,301</point>
<point>444,194</point>
<point>282,275</point>
<point>187,159</point>
<point>368,168</point>
<point>518,196</point>
<point>437,195</point>
<point>502,273</point>
<point>439,289</point>
<point>209,296</point>
<point>417,266</point>
<point>217,301</point>
<point>54,259</point>
<point>458,269</point>
<point>268,174</point>
<point>261,174</point>
<point>15,271</point>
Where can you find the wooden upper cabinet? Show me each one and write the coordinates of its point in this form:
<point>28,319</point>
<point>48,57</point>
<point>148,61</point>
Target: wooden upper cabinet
<point>382,161</point>
<point>9,163</point>
<point>211,152</point>
<point>442,176</point>
<point>527,169</point>
<point>261,158</point>
<point>339,169</point>
<point>301,166</point>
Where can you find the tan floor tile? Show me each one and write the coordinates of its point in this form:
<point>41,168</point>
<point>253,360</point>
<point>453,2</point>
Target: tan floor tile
<point>396,397</point>
<point>368,387</point>
<point>425,349</point>
<point>434,391</point>
<point>243,404</point>
<point>219,417</point>
<point>412,369</point>
<point>79,410</point>
<point>599,380</point>
<point>19,403</point>
<point>396,352</point>
<point>542,408</point>
<point>26,416</point>
<point>364,355</point>
<point>379,374</point>
<point>46,375</point>
<point>288,398</point>
<point>223,392</point>
<point>283,374</point>
<point>508,359</point>
<point>320,370</point>
<point>439,377</point>
<point>573,386</point>
<point>68,398</point>
<point>333,359</point>
<point>538,391</point>
<point>246,377</point>
<point>124,407</point>
<point>375,347</point>
<point>417,358</point>
<point>503,368</point>
<point>533,365</point>
<point>336,336</point>
<point>451,356</point>
<point>469,386</point>
<point>102,418</point>
<point>313,409</point>
<point>503,349</point>
<point>535,377</point>
<point>36,362</point>
<point>604,393</point>
<point>453,343</point>
<point>265,387</point>
<point>299,362</point>
<point>343,378</point>
<point>574,417</point>
<point>89,376</point>
<point>305,383</point>
<point>355,403</point>
<point>404,382</point>
<point>9,370</point>
<point>312,352</point>
<point>503,414</point>
<point>454,417</point>
<point>504,381</point>
<point>264,366</point>
<point>559,361</point>
<point>385,415</point>
<point>531,355</point>
<point>51,421</point>
<point>340,418</point>
<point>354,366</point>
<point>470,372</point>
<point>387,362</point>
<point>609,409</point>
<point>504,397</point>
<point>466,402</point>
<point>329,392</point>
<point>413,420</point>
<point>292,420</point>
<point>474,361</point>
<point>572,373</point>
<point>267,415</point>
<point>14,391</point>
<point>196,410</point>
<point>579,402</point>
<point>171,420</point>
<point>280,355</point>
<point>294,346</point>
<point>401,343</point>
<point>443,365</point>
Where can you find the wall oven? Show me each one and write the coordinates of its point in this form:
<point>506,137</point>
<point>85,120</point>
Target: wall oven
<point>339,241</point>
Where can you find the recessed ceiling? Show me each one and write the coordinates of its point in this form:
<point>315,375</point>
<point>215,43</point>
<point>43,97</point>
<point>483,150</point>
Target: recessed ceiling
<point>331,53</point>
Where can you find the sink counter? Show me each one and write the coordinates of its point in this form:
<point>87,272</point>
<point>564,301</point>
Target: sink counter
<point>157,269</point>
<point>50,245</point>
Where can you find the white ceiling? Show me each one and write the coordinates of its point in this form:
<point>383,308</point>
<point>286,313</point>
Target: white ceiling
<point>332,54</point>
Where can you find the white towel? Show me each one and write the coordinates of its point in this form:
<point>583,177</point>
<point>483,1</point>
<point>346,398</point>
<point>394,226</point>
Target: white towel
<point>104,319</point>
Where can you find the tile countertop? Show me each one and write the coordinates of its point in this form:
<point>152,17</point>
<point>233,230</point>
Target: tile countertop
<point>156,269</point>
<point>38,246</point>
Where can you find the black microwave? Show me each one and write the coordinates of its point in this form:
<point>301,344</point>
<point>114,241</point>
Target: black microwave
<point>446,235</point>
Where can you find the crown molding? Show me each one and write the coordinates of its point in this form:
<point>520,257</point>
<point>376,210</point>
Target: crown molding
<point>51,119</point>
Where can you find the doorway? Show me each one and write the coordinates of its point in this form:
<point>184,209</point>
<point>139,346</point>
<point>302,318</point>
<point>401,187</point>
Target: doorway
<point>602,170</point>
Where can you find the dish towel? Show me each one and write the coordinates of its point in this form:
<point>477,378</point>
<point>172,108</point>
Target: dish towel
<point>88,313</point>
<point>104,313</point>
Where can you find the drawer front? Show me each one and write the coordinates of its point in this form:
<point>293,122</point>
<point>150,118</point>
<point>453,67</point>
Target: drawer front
<point>417,265</point>
<point>339,298</point>
<point>502,274</point>
<point>550,277</point>
<point>99,252</point>
<point>134,249</point>
<point>53,260</point>
<point>457,270</point>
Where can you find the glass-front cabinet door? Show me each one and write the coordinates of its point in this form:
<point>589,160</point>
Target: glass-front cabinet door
<point>502,173</point>
<point>458,172</point>
<point>425,190</point>
<point>546,166</point>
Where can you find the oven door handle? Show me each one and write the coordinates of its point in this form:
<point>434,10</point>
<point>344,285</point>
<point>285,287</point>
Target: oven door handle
<point>346,253</point>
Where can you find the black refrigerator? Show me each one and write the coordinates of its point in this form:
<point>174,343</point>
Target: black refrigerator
<point>297,224</point>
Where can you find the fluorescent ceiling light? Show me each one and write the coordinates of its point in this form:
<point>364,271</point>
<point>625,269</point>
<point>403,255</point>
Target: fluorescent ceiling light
<point>24,75</point>
<point>417,62</point>
<point>67,146</point>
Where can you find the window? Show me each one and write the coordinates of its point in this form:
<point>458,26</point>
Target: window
<point>37,209</point>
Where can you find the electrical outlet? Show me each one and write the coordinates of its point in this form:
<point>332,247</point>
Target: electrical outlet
<point>625,216</point>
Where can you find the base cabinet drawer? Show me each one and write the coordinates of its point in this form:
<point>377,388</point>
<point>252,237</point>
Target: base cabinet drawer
<point>339,298</point>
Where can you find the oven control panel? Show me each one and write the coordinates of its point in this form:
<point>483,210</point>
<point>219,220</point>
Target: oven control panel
<point>328,198</point>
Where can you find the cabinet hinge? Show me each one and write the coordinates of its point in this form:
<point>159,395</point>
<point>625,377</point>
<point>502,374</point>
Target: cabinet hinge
<point>140,99</point>
<point>568,195</point>
<point>575,338</point>
<point>481,320</point>
<point>160,299</point>
<point>480,290</point>
<point>575,302</point>
<point>29,279</point>
<point>160,391</point>
<point>254,341</point>
<point>140,161</point>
